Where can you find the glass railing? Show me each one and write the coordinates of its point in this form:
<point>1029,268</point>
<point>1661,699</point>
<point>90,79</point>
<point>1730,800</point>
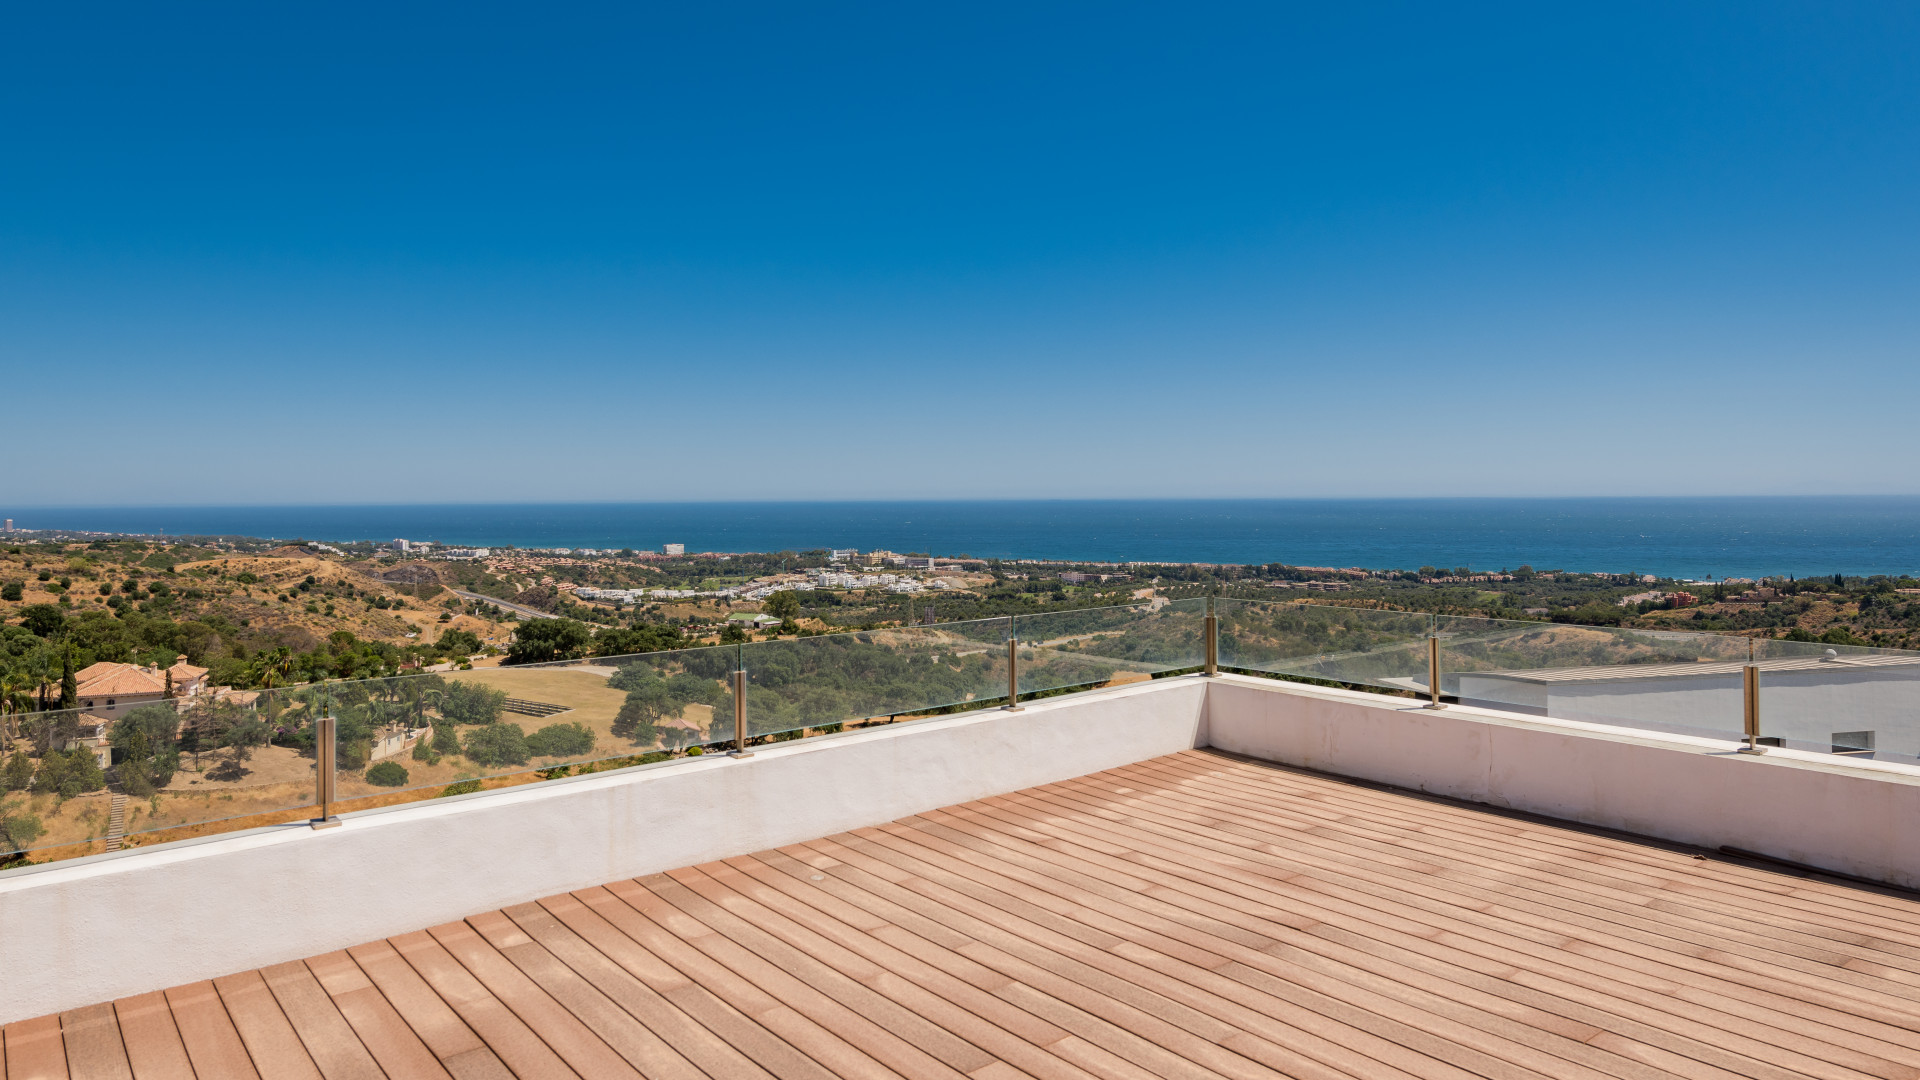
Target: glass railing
<point>1839,699</point>
<point>1828,698</point>
<point>84,781</point>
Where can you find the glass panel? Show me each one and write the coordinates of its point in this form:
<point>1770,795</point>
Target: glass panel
<point>175,767</point>
<point>1657,680</point>
<point>1359,646</point>
<point>489,727</point>
<point>824,682</point>
<point>1840,699</point>
<point>1109,646</point>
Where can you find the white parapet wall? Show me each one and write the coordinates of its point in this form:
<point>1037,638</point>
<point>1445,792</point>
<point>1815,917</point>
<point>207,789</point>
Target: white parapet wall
<point>1849,815</point>
<point>95,929</point>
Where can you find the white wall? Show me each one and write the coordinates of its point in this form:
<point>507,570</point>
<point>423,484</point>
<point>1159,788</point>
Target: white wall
<point>95,929</point>
<point>1805,706</point>
<point>1840,814</point>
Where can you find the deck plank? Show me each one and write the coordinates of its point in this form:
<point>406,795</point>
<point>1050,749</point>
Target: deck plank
<point>510,1038</point>
<point>1189,917</point>
<point>213,1043</point>
<point>395,1047</point>
<point>152,1039</point>
<point>336,1051</point>
<point>94,1049</point>
<point>35,1050</point>
<point>460,1051</point>
<point>270,1040</point>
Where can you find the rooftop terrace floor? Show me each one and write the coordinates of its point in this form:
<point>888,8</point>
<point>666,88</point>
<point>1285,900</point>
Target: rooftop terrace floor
<point>1188,916</point>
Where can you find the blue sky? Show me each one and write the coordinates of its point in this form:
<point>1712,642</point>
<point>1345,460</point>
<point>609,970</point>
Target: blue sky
<point>335,253</point>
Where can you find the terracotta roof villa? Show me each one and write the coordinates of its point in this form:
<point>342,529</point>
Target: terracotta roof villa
<point>1129,842</point>
<point>109,688</point>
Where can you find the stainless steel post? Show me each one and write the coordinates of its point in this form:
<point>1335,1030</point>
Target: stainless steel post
<point>740,716</point>
<point>1013,666</point>
<point>1750,692</point>
<point>1213,641</point>
<point>323,773</point>
<point>1433,672</point>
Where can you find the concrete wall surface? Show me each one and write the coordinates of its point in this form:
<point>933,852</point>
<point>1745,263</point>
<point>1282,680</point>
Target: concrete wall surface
<point>95,929</point>
<point>1834,813</point>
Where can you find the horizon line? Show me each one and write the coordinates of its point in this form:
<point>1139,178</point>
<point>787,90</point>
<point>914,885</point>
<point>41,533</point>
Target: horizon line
<point>946,500</point>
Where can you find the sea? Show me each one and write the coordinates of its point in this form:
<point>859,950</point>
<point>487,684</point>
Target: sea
<point>1698,538</point>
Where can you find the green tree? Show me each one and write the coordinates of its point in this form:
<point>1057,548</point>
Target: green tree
<point>648,702</point>
<point>149,753</point>
<point>496,745</point>
<point>18,828</point>
<point>11,591</point>
<point>458,643</point>
<point>45,620</point>
<point>472,703</point>
<point>627,640</point>
<point>69,773</point>
<point>18,775</point>
<point>69,686</point>
<point>541,640</point>
<point>783,605</point>
<point>446,738</point>
<point>241,732</point>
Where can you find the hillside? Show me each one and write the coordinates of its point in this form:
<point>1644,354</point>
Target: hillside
<point>135,601</point>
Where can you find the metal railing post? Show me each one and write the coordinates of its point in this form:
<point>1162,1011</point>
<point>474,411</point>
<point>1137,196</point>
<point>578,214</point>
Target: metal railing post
<point>740,715</point>
<point>1013,666</point>
<point>1750,693</point>
<point>323,772</point>
<point>1213,641</point>
<point>1433,672</point>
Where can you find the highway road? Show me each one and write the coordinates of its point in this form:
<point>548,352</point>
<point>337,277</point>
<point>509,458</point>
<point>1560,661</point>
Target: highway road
<point>531,613</point>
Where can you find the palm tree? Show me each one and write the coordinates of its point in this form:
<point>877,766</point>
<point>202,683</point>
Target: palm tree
<point>14,700</point>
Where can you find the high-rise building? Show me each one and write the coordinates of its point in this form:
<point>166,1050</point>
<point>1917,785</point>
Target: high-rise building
<point>9,524</point>
<point>673,549</point>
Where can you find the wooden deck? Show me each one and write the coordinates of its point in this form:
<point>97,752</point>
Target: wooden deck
<point>1191,916</point>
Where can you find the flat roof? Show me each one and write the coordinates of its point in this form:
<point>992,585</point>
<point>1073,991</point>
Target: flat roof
<point>1186,917</point>
<point>1717,667</point>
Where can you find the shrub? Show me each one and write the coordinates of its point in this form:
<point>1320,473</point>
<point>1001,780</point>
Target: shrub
<point>387,774</point>
<point>463,787</point>
<point>10,591</point>
<point>561,740</point>
<point>424,752</point>
<point>494,745</point>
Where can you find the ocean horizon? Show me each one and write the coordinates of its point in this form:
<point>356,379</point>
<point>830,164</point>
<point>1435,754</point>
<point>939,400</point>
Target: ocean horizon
<point>1729,536</point>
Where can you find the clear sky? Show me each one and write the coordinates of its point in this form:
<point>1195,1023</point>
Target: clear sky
<point>335,253</point>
